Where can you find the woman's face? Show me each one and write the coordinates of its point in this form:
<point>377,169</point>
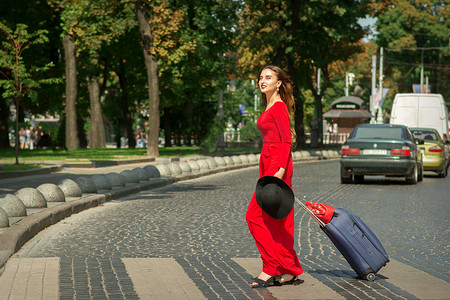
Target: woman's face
<point>268,81</point>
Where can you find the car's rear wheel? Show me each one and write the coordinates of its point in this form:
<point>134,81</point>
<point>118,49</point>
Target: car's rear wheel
<point>413,177</point>
<point>443,173</point>
<point>420,172</point>
<point>345,177</point>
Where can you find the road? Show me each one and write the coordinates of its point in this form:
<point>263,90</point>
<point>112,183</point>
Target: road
<point>190,240</point>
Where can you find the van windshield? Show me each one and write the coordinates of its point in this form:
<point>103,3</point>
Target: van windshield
<point>395,133</point>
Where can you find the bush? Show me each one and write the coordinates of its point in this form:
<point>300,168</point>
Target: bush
<point>250,133</point>
<point>209,141</point>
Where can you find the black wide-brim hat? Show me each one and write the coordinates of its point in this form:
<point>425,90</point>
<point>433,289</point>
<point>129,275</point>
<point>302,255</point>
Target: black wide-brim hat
<point>274,196</point>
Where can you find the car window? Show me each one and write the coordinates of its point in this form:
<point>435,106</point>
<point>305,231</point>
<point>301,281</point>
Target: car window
<point>424,135</point>
<point>396,133</point>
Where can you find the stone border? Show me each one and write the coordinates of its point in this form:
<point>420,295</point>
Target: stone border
<point>34,171</point>
<point>22,229</point>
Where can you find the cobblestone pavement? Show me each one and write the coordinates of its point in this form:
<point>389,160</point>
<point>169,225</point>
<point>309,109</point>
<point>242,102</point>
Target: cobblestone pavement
<point>190,240</point>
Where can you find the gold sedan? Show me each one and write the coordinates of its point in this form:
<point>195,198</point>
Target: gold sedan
<point>434,150</point>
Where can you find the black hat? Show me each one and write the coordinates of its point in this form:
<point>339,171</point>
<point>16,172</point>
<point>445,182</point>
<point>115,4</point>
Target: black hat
<point>274,196</point>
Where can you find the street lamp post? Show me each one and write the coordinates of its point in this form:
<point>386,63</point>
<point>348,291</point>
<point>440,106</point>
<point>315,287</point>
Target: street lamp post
<point>380,89</point>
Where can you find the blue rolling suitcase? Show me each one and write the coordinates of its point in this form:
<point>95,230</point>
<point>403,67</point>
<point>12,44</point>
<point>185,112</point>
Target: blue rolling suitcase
<point>355,241</point>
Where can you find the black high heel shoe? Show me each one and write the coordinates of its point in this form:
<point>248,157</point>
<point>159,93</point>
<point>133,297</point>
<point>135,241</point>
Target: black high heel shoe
<point>294,281</point>
<point>262,283</point>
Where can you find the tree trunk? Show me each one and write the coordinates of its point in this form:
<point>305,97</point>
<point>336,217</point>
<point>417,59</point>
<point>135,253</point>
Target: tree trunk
<point>97,131</point>
<point>299,113</point>
<point>293,71</point>
<point>317,126</point>
<point>126,120</point>
<point>72,141</point>
<point>4,116</point>
<point>167,129</point>
<point>152,76</point>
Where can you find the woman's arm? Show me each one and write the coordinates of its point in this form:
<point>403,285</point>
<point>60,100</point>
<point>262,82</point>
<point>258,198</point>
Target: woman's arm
<point>281,117</point>
<point>280,173</point>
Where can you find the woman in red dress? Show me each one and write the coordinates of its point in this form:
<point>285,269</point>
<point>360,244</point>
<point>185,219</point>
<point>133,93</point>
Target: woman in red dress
<point>275,237</point>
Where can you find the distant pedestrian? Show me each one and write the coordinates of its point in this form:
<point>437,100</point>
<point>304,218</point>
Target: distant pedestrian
<point>32,142</point>
<point>274,236</point>
<point>22,138</point>
<point>27,137</point>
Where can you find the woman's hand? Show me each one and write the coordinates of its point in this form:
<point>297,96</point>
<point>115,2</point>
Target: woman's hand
<point>280,173</point>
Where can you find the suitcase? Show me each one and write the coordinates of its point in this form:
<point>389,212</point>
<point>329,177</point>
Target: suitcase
<point>355,241</point>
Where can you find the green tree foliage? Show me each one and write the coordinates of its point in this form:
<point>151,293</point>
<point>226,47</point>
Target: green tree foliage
<point>94,25</point>
<point>21,79</point>
<point>36,15</point>
<point>300,36</point>
<point>191,42</point>
<point>415,33</point>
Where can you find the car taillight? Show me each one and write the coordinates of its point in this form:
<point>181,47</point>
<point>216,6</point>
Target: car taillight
<point>405,151</point>
<point>346,150</point>
<point>435,149</point>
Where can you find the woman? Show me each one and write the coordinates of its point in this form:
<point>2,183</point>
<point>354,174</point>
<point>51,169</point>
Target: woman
<point>275,238</point>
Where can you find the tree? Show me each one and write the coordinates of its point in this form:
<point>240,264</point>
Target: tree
<point>39,15</point>
<point>300,44</point>
<point>193,40</point>
<point>22,79</point>
<point>415,34</point>
<point>152,75</point>
<point>90,26</point>
<point>72,141</point>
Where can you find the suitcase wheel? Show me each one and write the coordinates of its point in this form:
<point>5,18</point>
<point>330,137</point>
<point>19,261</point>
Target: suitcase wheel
<point>370,276</point>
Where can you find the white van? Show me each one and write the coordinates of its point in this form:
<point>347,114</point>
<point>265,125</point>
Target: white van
<point>421,110</point>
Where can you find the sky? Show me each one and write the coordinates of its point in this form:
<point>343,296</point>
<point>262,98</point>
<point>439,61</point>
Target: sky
<point>369,21</point>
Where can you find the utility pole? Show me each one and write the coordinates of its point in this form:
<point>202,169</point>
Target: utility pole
<point>346,84</point>
<point>318,81</point>
<point>374,86</point>
<point>421,73</point>
<point>220,114</point>
<point>380,89</point>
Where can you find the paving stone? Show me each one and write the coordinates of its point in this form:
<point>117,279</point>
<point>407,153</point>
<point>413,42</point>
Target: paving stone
<point>4,220</point>
<point>130,177</point>
<point>51,192</point>
<point>143,175</point>
<point>152,171</point>
<point>116,180</point>
<point>12,206</point>
<point>70,188</point>
<point>195,167</point>
<point>31,198</point>
<point>101,182</point>
<point>164,170</point>
<point>86,185</point>
<point>228,160</point>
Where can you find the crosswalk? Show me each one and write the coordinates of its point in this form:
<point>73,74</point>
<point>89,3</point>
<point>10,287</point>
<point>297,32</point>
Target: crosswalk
<point>166,278</point>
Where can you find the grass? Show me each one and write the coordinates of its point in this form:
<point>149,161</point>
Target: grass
<point>101,154</point>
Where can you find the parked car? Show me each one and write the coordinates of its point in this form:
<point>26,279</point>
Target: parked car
<point>381,149</point>
<point>434,150</point>
<point>421,111</point>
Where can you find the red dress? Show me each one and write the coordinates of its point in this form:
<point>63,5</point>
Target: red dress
<point>274,238</point>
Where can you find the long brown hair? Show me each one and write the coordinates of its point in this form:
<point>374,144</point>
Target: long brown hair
<point>286,94</point>
<point>285,90</point>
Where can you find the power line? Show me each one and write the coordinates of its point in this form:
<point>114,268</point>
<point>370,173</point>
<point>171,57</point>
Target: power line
<point>430,66</point>
<point>417,48</point>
